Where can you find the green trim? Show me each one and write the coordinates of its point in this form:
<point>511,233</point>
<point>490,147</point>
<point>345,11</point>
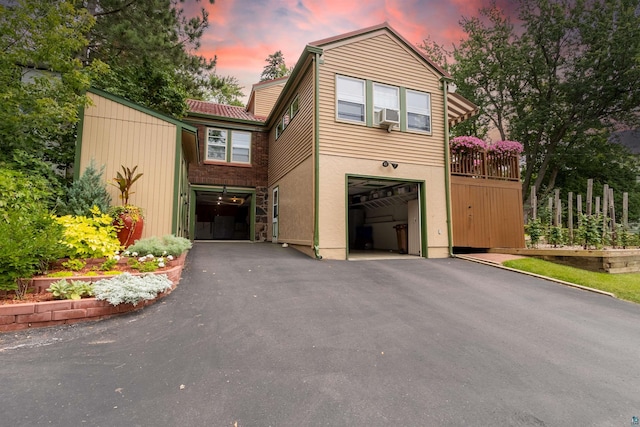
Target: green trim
<point>316,184</point>
<point>300,65</point>
<point>229,143</point>
<point>219,189</point>
<point>346,215</point>
<point>423,221</point>
<point>138,107</point>
<point>191,114</point>
<point>369,103</point>
<point>445,82</point>
<point>176,181</point>
<point>403,109</point>
<point>78,153</point>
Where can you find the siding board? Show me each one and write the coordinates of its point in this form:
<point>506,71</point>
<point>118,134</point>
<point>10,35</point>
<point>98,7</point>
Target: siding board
<point>393,64</point>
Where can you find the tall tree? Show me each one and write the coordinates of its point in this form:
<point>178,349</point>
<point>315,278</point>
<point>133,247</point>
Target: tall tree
<point>275,67</point>
<point>42,83</point>
<point>568,72</point>
<point>225,90</point>
<point>150,47</point>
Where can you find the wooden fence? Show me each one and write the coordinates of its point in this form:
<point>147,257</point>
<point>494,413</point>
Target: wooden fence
<point>485,164</point>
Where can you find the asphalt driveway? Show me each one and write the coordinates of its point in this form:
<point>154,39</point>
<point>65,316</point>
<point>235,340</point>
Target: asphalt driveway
<point>260,335</point>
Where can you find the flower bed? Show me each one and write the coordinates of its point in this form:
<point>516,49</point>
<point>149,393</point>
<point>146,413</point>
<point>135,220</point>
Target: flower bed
<point>58,312</point>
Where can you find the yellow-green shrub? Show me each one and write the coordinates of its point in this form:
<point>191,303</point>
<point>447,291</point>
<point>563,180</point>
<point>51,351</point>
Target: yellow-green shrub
<point>89,237</point>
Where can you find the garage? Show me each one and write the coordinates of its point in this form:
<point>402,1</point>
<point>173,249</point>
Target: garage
<point>222,215</point>
<point>383,217</point>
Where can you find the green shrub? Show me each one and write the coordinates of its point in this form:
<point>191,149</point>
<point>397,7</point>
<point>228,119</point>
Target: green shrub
<point>127,288</point>
<point>161,246</point>
<point>76,289</point>
<point>29,237</point>
<point>589,233</point>
<point>74,264</point>
<point>535,229</point>
<point>89,237</point>
<point>86,192</point>
<point>555,236</point>
<point>108,264</point>
<point>145,264</point>
<point>60,274</point>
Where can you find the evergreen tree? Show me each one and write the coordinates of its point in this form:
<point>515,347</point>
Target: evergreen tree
<point>275,67</point>
<point>86,192</point>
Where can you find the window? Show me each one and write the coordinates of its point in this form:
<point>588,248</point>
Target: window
<point>286,118</point>
<point>274,214</point>
<point>295,106</point>
<point>228,146</point>
<point>240,147</point>
<point>350,94</point>
<point>418,111</point>
<point>217,145</point>
<point>385,97</point>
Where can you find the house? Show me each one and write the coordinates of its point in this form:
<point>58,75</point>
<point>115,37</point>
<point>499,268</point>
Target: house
<point>346,155</point>
<point>356,141</point>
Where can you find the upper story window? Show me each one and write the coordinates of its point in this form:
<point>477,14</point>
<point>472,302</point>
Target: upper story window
<point>385,97</point>
<point>418,111</point>
<point>350,94</point>
<point>228,146</point>
<point>287,116</point>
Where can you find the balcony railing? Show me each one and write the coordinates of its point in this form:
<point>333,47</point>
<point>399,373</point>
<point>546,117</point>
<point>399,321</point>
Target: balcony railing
<point>486,165</point>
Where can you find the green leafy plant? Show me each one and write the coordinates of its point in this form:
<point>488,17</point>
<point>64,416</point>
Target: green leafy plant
<point>112,272</point>
<point>124,181</point>
<point>60,274</point>
<point>108,264</point>
<point>28,234</point>
<point>555,236</point>
<point>89,237</point>
<point>589,233</point>
<point>127,288</point>
<point>161,246</point>
<point>535,229</point>
<point>86,192</point>
<point>146,264</point>
<point>75,289</point>
<point>74,264</point>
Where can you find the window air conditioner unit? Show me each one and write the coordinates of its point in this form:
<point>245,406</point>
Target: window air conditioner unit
<point>388,117</point>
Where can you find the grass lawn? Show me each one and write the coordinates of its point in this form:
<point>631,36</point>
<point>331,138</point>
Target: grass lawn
<point>625,286</point>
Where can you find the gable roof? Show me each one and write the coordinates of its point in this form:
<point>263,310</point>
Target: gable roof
<point>383,26</point>
<point>222,110</point>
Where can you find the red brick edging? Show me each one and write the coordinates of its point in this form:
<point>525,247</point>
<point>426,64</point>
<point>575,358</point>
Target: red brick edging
<point>15,317</point>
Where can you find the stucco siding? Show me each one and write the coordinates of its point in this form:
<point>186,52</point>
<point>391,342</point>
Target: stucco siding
<point>295,205</point>
<point>333,210</point>
<point>295,144</point>
<point>380,58</point>
<point>114,135</point>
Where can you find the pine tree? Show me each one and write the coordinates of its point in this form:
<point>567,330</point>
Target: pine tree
<point>88,191</point>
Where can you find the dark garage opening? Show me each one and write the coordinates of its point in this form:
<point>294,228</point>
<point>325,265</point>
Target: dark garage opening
<point>222,216</point>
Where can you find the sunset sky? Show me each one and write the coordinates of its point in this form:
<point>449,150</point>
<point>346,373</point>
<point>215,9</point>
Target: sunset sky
<point>242,33</point>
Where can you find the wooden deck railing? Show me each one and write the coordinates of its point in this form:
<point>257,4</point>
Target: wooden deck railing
<point>485,165</point>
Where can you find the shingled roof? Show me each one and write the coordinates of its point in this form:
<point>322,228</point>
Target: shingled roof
<point>222,110</point>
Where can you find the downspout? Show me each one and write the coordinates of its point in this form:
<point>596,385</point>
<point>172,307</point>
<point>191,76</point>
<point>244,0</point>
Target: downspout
<point>447,166</point>
<point>316,159</point>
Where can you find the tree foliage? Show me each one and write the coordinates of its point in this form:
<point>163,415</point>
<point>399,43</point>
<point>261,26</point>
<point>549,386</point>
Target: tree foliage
<point>225,90</point>
<point>567,73</point>
<point>150,47</point>
<point>42,83</point>
<point>275,68</point>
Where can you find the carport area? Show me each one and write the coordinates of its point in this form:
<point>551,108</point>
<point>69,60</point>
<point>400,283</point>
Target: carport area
<point>259,335</point>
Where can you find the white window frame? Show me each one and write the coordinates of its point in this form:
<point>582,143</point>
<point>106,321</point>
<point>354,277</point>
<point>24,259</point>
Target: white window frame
<point>377,105</point>
<point>233,146</point>
<point>418,111</point>
<point>225,145</point>
<point>351,98</point>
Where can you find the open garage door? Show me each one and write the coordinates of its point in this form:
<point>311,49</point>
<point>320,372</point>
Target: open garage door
<point>222,215</point>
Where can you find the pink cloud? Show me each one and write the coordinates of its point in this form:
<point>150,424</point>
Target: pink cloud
<point>242,33</point>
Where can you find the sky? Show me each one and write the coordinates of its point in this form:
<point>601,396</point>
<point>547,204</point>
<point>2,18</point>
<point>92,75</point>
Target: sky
<point>243,33</point>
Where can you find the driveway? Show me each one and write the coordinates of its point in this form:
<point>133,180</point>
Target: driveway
<point>260,335</point>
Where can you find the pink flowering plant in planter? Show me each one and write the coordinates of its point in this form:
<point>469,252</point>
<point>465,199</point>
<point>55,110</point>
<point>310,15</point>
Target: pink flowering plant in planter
<point>505,148</point>
<point>465,144</point>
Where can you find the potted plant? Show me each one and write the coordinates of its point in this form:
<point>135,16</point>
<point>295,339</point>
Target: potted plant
<point>127,219</point>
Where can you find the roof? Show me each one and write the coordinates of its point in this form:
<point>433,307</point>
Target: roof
<point>222,110</point>
<point>383,26</point>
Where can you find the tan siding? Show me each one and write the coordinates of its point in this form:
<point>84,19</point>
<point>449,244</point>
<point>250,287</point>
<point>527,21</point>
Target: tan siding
<point>115,135</point>
<point>265,98</point>
<point>295,193</point>
<point>384,60</point>
<point>486,213</point>
<point>296,142</point>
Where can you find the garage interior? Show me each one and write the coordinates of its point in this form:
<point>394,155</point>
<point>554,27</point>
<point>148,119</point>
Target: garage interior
<point>222,216</point>
<point>384,218</point>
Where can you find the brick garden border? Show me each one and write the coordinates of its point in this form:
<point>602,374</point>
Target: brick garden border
<point>15,317</point>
